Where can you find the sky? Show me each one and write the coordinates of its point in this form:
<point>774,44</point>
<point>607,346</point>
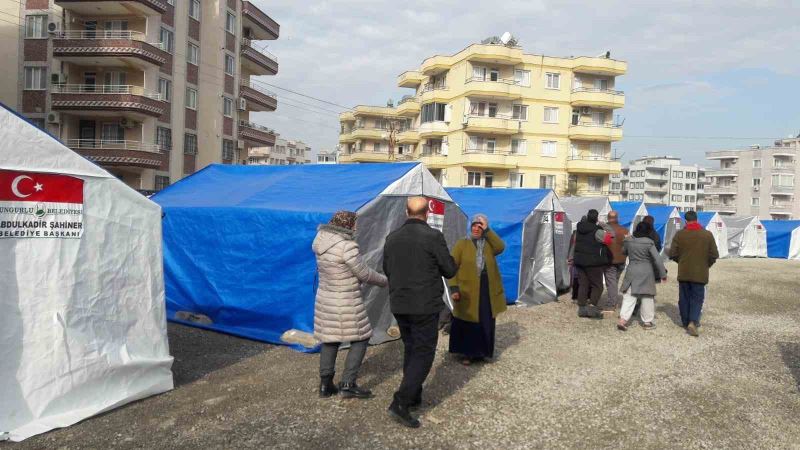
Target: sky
<point>702,75</point>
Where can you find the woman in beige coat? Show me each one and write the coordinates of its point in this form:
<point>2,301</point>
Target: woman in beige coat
<point>339,312</point>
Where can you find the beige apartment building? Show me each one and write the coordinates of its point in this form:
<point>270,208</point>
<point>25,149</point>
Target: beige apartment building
<point>492,115</point>
<point>282,153</point>
<point>759,181</point>
<point>661,180</point>
<point>152,90</point>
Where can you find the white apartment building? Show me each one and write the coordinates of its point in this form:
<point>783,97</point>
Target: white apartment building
<point>327,157</point>
<point>283,153</point>
<point>660,180</point>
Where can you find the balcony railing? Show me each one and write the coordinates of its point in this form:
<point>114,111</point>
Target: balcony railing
<point>599,91</point>
<point>721,189</point>
<point>428,87</point>
<point>492,151</point>
<point>782,189</point>
<point>101,34</point>
<point>591,158</point>
<point>254,126</point>
<point>408,99</point>
<point>112,144</point>
<point>249,43</point>
<point>781,207</point>
<point>509,81</point>
<point>597,125</point>
<point>105,89</point>
<point>428,150</point>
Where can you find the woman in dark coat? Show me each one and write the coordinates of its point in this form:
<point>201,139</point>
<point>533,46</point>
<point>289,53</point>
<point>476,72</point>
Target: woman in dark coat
<point>639,283</point>
<point>477,292</point>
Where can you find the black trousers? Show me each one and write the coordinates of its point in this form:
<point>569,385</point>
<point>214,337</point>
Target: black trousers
<point>590,285</point>
<point>420,334</point>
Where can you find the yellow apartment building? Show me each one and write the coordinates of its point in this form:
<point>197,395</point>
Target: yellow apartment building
<point>494,116</point>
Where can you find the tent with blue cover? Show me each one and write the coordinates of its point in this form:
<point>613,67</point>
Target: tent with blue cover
<point>783,238</point>
<point>667,221</point>
<point>747,237</point>
<point>630,213</point>
<point>237,240</point>
<point>712,222</point>
<point>532,224</point>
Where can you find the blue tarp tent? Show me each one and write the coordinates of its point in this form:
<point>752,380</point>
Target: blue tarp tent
<point>237,240</point>
<point>783,238</point>
<point>630,213</point>
<point>533,266</point>
<point>712,222</point>
<point>667,222</point>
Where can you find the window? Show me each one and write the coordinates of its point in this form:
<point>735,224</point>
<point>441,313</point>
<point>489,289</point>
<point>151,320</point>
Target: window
<point>494,75</point>
<point>164,138</point>
<point>689,198</point>
<point>35,27</point>
<point>193,54</point>
<point>116,25</point>
<point>473,178</point>
<point>161,182</point>
<point>229,64</point>
<point>552,80</point>
<point>194,9</point>
<point>227,150</point>
<point>478,73</point>
<point>492,109</point>
<point>549,148</point>
<point>756,182</point>
<point>615,186</point>
<point>227,107</point>
<point>116,79</point>
<point>35,78</point>
<point>677,174</point>
<point>112,132</point>
<point>755,201</point>
<point>432,112</point>
<point>783,180</point>
<point>515,180</point>
<point>167,40</point>
<point>520,112</point>
<point>547,181</point>
<point>191,98</point>
<point>550,114</point>
<point>756,164</point>
<point>522,77</point>
<point>677,186</point>
<point>376,147</point>
<point>230,23</point>
<point>165,89</point>
<point>691,175</point>
<point>519,147</point>
<point>39,123</point>
<point>677,198</point>
<point>595,183</point>
<point>189,144</point>
<point>488,179</point>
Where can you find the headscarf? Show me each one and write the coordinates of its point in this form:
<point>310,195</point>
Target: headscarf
<point>479,243</point>
<point>344,219</point>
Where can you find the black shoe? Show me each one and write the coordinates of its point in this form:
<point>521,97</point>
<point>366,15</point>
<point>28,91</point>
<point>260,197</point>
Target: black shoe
<point>326,387</point>
<point>589,312</point>
<point>402,415</point>
<point>351,390</point>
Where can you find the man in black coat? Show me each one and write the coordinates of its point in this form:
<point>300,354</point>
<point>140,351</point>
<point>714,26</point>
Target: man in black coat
<point>591,257</point>
<point>415,258</point>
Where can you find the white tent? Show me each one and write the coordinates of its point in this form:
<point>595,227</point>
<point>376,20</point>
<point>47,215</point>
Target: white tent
<point>577,207</point>
<point>83,323</point>
<point>747,237</point>
<point>712,222</point>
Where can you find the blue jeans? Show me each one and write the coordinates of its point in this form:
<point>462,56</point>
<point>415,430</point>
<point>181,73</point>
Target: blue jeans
<point>690,302</point>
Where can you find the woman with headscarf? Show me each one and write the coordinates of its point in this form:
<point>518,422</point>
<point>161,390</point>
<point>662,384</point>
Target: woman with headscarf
<point>339,311</point>
<point>644,264</point>
<point>477,292</point>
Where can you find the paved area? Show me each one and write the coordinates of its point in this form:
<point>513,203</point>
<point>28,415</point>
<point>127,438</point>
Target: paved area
<point>558,382</point>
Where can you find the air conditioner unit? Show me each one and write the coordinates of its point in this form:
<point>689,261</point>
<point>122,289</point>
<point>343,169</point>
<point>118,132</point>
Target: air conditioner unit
<point>58,78</point>
<point>54,117</point>
<point>242,104</point>
<point>126,123</point>
<point>240,144</point>
<point>53,27</point>
<point>756,188</point>
<point>585,110</point>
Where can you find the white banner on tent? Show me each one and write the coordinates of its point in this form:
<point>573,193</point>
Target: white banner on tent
<point>40,205</point>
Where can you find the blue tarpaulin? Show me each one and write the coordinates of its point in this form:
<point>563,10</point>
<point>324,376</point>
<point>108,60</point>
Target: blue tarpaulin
<point>507,210</point>
<point>628,212</point>
<point>779,236</point>
<point>237,240</point>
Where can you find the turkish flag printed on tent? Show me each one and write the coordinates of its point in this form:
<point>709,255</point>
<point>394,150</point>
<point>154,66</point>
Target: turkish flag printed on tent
<point>40,205</point>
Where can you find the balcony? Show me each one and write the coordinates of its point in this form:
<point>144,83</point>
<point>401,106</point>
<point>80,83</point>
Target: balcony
<point>258,98</point>
<point>376,134</point>
<point>721,173</point>
<point>433,129</point>
<point>727,208</point>
<point>781,190</point>
<point>108,48</point>
<point>781,208</point>
<point>408,107</point>
<point>731,189</point>
<point>432,157</point>
<point>260,26</point>
<point>410,136</point>
<point>590,131</point>
<point>435,64</point>
<point>500,88</point>
<point>600,66</point>
<point>346,138</point>
<point>256,135</point>
<point>119,153</point>
<point>98,99</point>
<point>650,176</point>
<point>434,93</point>
<point>114,8</point>
<point>257,60</point>
<point>723,154</point>
<point>593,165</point>
<point>498,124</point>
<point>597,98</point>
<point>410,79</point>
<point>347,116</point>
<point>361,156</point>
<point>486,158</point>
<point>784,168</point>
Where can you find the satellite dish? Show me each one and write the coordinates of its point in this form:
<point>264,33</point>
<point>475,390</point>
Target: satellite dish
<point>506,37</point>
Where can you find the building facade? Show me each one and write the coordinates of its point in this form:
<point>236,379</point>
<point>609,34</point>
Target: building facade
<point>282,153</point>
<point>152,90</point>
<point>660,180</point>
<point>494,116</point>
<point>327,157</point>
<point>759,181</point>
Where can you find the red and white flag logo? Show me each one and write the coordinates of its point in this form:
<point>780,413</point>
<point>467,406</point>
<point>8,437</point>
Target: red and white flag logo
<point>436,211</point>
<point>40,205</point>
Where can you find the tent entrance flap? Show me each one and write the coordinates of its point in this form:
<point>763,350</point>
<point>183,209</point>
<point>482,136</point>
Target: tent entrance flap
<point>537,268</point>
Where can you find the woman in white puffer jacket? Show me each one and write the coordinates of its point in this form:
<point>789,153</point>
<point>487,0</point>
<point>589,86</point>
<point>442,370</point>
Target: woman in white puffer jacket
<point>339,313</point>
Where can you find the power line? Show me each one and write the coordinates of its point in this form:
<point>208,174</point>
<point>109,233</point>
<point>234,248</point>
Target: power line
<point>307,96</point>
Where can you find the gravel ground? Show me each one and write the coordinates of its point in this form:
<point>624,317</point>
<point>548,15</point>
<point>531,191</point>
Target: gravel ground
<point>558,382</point>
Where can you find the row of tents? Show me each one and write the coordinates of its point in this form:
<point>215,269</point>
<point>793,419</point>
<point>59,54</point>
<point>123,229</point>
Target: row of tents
<point>93,269</point>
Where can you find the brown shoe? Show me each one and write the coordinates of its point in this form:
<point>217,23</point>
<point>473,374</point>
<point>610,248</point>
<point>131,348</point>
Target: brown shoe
<point>692,329</point>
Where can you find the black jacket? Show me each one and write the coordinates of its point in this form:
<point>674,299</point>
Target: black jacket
<point>415,258</point>
<point>589,252</point>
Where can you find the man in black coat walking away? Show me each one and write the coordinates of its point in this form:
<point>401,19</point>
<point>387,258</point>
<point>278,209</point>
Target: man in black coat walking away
<point>415,258</point>
<point>591,258</point>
